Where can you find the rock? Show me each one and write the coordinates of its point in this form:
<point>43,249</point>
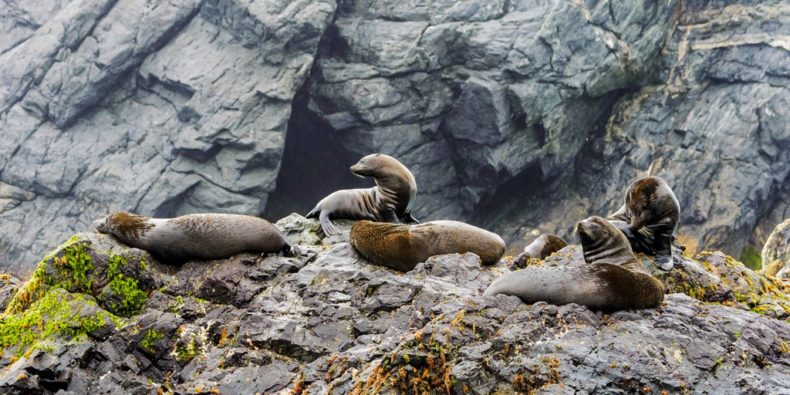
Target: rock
<point>776,252</point>
<point>329,321</point>
<point>161,109</point>
<point>225,105</point>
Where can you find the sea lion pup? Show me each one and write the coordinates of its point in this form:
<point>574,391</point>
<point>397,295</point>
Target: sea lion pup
<point>540,248</point>
<point>544,246</point>
<point>649,217</point>
<point>402,247</point>
<point>391,200</point>
<point>611,280</point>
<point>194,236</point>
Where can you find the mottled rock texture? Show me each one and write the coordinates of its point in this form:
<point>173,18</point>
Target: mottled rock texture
<point>328,321</point>
<point>519,115</point>
<point>776,252</point>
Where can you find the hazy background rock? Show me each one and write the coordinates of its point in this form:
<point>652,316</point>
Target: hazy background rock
<point>519,116</point>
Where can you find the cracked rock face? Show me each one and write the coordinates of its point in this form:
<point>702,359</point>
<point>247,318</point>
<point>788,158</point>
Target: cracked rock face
<point>519,116</point>
<point>157,107</point>
<point>328,321</point>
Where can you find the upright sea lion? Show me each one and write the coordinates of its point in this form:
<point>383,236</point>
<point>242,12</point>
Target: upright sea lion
<point>194,236</point>
<point>649,217</point>
<point>391,200</point>
<point>611,279</point>
<point>402,247</point>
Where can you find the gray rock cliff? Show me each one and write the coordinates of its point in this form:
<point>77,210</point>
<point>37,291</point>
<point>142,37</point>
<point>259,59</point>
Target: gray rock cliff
<point>521,116</point>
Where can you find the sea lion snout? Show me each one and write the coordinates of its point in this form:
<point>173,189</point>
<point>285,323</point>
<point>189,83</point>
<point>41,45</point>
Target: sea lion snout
<point>100,225</point>
<point>361,170</point>
<point>368,166</point>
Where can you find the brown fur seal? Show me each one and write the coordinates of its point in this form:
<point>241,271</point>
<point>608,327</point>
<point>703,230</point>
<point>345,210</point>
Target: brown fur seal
<point>194,236</point>
<point>540,248</point>
<point>612,279</point>
<point>402,247</point>
<point>544,246</point>
<point>391,200</point>
<point>649,217</point>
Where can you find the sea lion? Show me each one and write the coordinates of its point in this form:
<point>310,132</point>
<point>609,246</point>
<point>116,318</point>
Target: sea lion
<point>402,247</point>
<point>649,217</point>
<point>391,200</point>
<point>611,279</point>
<point>540,248</point>
<point>544,246</point>
<point>194,236</point>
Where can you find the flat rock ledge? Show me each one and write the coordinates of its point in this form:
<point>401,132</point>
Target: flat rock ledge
<point>98,317</point>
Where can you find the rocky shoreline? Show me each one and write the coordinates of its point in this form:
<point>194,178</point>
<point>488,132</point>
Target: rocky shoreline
<point>102,318</point>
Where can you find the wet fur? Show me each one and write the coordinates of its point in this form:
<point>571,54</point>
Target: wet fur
<point>194,236</point>
<point>402,247</point>
<point>649,218</point>
<point>611,279</point>
<point>390,200</point>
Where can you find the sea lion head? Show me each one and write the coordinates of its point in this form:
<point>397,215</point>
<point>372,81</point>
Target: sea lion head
<point>602,241</point>
<point>650,200</point>
<point>123,224</point>
<point>376,166</point>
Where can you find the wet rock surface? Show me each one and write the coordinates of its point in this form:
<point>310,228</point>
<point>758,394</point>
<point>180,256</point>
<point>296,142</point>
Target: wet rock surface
<point>327,321</point>
<point>518,116</point>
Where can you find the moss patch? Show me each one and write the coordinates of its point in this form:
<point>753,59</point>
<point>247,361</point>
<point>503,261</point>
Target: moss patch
<point>57,314</point>
<point>131,297</point>
<point>148,342</point>
<point>751,258</point>
<point>72,265</point>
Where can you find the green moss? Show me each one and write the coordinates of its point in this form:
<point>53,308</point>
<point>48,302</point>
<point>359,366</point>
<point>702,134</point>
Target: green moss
<point>72,264</point>
<point>188,350</point>
<point>751,258</point>
<point>56,314</point>
<point>132,298</point>
<point>148,342</point>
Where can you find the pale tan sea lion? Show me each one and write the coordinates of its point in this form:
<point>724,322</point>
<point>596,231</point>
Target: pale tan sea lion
<point>391,200</point>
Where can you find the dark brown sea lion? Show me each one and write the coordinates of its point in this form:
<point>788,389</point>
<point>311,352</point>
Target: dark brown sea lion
<point>649,217</point>
<point>194,236</point>
<point>402,247</point>
<point>611,279</point>
<point>391,200</point>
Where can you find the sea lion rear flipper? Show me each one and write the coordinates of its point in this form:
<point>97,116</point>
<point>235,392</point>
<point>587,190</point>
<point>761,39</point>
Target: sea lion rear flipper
<point>313,213</point>
<point>327,226</point>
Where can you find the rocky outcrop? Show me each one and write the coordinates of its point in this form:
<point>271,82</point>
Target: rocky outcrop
<point>106,318</point>
<point>776,252</point>
<point>521,116</point>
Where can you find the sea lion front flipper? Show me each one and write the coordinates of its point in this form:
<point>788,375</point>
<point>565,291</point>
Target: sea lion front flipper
<point>409,219</point>
<point>390,216</point>
<point>327,226</point>
<point>620,215</point>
